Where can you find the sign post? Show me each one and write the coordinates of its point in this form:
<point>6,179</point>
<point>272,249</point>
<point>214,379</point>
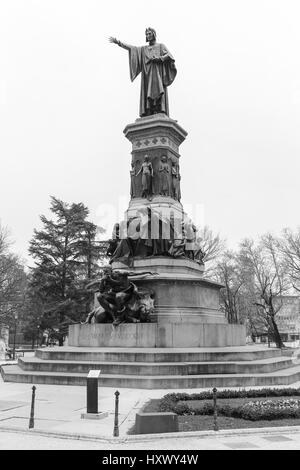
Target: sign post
<point>92,391</point>
<point>92,397</point>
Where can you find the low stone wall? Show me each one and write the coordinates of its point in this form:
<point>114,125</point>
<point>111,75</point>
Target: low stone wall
<point>155,335</point>
<point>153,423</point>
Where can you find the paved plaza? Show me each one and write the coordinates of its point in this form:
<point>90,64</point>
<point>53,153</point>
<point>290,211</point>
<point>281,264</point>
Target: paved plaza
<point>276,440</point>
<point>58,423</point>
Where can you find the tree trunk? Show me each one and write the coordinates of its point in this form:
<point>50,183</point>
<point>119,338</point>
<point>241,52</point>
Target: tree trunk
<point>276,334</point>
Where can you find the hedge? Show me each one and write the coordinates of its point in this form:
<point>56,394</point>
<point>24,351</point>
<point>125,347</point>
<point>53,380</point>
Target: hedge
<point>259,410</point>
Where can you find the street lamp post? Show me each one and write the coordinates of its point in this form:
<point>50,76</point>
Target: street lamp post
<point>15,334</point>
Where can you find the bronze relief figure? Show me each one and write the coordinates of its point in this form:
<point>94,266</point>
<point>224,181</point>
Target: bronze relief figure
<point>147,175</point>
<point>164,171</point>
<point>176,194</point>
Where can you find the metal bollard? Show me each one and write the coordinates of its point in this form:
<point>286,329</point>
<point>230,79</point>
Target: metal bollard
<point>216,427</point>
<point>31,420</point>
<point>116,426</point>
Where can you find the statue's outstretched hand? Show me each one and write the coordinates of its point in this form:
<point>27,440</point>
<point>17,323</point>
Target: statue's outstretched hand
<point>113,40</point>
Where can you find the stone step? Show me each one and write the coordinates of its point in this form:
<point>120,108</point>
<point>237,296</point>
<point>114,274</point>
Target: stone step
<point>156,368</point>
<point>229,354</point>
<point>13,373</point>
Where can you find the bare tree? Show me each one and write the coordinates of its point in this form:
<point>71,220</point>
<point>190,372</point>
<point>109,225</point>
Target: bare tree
<point>267,280</point>
<point>256,322</point>
<point>289,246</point>
<point>4,240</point>
<point>228,272</point>
<point>12,279</point>
<point>213,246</point>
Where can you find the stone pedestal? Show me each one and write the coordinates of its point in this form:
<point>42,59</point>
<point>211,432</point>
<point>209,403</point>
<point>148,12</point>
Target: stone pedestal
<point>156,335</point>
<point>187,306</point>
<point>154,133</point>
<point>181,293</point>
<point>156,136</point>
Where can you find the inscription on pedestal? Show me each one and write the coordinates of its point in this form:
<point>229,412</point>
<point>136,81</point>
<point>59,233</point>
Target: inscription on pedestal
<point>156,335</point>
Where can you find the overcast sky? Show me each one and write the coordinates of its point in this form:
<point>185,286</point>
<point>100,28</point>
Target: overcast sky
<point>66,96</point>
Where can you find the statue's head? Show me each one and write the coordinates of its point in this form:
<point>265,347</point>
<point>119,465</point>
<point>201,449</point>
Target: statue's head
<point>150,34</point>
<point>146,158</point>
<point>164,158</point>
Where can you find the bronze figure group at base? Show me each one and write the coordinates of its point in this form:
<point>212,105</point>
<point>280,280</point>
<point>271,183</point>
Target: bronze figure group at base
<point>120,301</point>
<point>142,243</point>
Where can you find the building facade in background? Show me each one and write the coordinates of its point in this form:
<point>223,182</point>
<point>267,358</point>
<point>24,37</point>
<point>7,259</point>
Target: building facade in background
<point>288,318</point>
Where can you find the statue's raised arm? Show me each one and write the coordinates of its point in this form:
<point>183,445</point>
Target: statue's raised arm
<point>119,43</point>
<point>158,71</point>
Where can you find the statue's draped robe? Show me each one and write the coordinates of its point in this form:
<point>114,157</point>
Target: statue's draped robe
<point>155,76</point>
<point>164,179</point>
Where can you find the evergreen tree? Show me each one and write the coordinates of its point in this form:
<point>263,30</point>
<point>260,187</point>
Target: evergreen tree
<point>66,254</point>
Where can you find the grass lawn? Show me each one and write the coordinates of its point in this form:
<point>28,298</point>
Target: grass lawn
<point>205,422</point>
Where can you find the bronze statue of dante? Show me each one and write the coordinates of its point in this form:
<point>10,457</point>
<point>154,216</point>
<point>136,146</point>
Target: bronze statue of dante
<point>158,71</point>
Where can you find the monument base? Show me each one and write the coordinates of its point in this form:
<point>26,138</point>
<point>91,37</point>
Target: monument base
<point>182,295</point>
<point>157,335</point>
<point>157,368</point>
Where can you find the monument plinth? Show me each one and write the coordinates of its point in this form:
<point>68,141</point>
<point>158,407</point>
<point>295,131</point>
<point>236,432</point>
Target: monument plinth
<point>157,131</point>
<point>157,138</point>
<point>181,293</point>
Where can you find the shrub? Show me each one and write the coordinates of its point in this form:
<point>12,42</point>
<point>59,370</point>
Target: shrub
<point>253,410</point>
<point>241,393</point>
<point>269,410</point>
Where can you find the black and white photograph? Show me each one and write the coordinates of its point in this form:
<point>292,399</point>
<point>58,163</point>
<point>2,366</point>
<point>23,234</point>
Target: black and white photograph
<point>149,228</point>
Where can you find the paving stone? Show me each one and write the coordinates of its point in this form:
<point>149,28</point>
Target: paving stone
<point>277,438</point>
<point>21,421</point>
<point>10,405</point>
<point>241,445</point>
